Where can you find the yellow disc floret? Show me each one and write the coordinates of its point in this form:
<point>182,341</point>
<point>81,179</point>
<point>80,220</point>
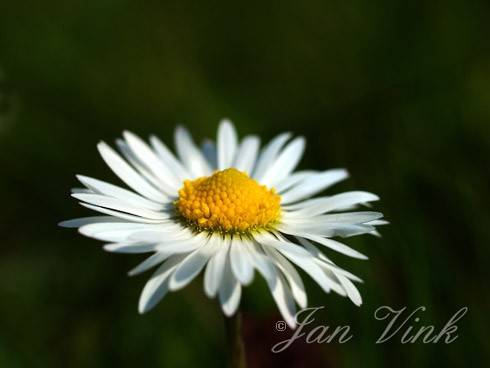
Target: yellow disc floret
<point>228,201</point>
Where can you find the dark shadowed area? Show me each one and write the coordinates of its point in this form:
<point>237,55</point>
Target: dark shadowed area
<point>397,92</point>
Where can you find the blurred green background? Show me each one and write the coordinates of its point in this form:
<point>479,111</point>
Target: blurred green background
<point>398,92</point>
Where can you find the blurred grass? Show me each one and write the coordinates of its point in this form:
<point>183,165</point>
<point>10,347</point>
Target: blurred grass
<point>397,93</point>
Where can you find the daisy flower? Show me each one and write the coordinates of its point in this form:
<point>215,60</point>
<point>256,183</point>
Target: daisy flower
<point>228,208</point>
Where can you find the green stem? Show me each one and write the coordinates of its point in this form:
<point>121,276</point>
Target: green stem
<point>236,347</point>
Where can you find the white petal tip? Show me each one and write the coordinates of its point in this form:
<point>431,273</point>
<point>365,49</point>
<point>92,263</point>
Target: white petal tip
<point>108,247</point>
<point>128,135</point>
<point>82,231</point>
<point>229,310</point>
<point>370,198</point>
<point>102,145</point>
<point>291,324</point>
<point>302,302</point>
<point>246,279</point>
<point>246,282</point>
<point>344,172</point>
<point>144,306</point>
<point>175,285</point>
<point>226,121</point>
<point>210,294</point>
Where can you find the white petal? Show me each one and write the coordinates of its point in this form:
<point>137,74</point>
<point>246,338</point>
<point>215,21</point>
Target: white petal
<point>214,270</point>
<point>339,271</point>
<point>121,215</point>
<point>114,191</point>
<point>210,153</point>
<point>269,154</point>
<point>190,155</point>
<point>276,283</point>
<point>247,154</point>
<point>336,202</point>
<point>261,261</point>
<point>192,265</point>
<point>241,263</point>
<point>326,229</point>
<point>338,224</point>
<point>330,270</point>
<point>128,174</point>
<point>227,144</point>
<point>74,223</point>
<point>284,300</point>
<point>291,275</point>
<point>358,217</point>
<point>169,159</point>
<point>147,157</point>
<point>293,179</point>
<point>156,288</point>
<point>325,261</point>
<point>132,248</point>
<point>82,190</point>
<point>178,247</point>
<point>230,291</point>
<point>302,258</point>
<point>112,231</point>
<point>143,169</point>
<point>377,222</point>
<point>285,162</point>
<point>180,241</point>
<point>350,289</point>
<point>148,263</point>
<point>313,184</point>
<point>332,244</point>
<point>169,233</point>
<point>119,205</point>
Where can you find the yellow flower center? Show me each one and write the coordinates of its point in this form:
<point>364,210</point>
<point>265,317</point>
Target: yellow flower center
<point>228,201</point>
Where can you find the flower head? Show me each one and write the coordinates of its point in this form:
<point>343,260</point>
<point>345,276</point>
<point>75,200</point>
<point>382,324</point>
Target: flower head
<point>227,208</point>
<point>228,201</point>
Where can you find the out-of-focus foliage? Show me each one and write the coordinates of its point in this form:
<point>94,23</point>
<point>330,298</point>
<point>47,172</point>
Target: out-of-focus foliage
<point>398,92</point>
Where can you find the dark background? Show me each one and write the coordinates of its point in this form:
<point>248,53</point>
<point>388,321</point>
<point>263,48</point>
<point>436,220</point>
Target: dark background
<point>398,92</point>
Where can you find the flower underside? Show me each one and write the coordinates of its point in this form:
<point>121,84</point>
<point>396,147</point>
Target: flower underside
<point>229,201</point>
